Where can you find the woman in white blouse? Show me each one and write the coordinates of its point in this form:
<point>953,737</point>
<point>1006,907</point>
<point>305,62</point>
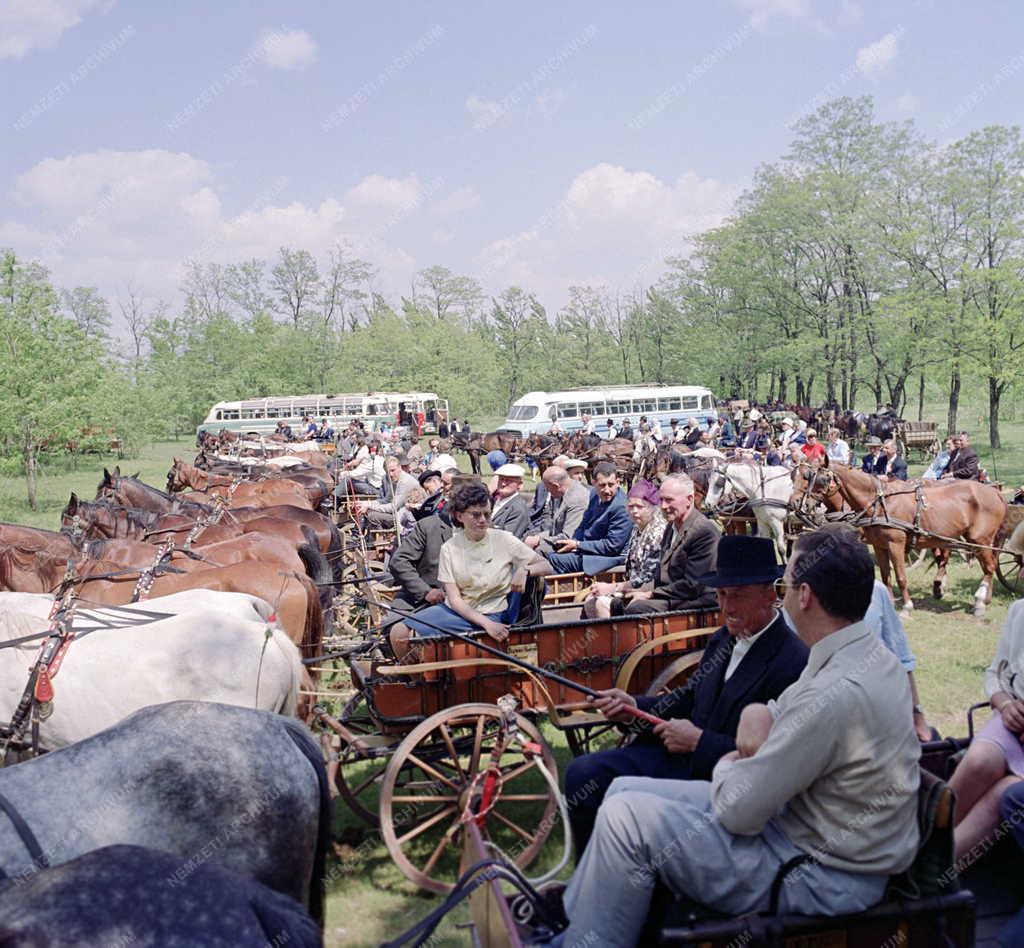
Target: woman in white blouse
<point>995,759</point>
<point>483,572</point>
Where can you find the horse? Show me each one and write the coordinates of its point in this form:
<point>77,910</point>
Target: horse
<point>237,492</point>
<point>767,489</point>
<point>509,444</point>
<point>472,442</point>
<point>895,515</point>
<point>182,476</point>
<point>209,906</point>
<point>209,783</point>
<point>203,655</point>
<point>542,450</point>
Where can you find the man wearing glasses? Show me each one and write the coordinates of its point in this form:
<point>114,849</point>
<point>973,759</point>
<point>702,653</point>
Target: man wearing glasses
<point>754,656</point>
<point>827,775</point>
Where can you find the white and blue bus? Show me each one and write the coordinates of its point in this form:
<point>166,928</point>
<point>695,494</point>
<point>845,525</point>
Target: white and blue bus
<point>259,416</point>
<point>535,412</point>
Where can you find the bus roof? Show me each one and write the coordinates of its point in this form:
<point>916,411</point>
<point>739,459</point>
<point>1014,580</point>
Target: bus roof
<point>262,400</point>
<point>606,391</point>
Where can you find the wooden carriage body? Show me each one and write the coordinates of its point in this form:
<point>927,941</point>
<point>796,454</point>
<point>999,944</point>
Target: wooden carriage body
<point>604,653</point>
<point>918,436</point>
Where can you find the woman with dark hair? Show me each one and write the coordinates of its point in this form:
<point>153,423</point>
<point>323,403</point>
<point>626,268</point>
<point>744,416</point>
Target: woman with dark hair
<point>483,572</point>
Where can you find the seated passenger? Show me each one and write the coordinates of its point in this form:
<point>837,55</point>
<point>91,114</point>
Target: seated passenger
<point>939,462</point>
<point>687,553</point>
<point>995,760</point>
<point>483,572</point>
<point>829,771</point>
<point>570,500</point>
<point>600,540</point>
<point>510,510</point>
<point>754,656</point>
<point>642,555</point>
<point>396,490</point>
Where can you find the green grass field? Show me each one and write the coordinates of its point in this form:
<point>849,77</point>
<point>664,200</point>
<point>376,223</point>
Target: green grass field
<point>369,899</point>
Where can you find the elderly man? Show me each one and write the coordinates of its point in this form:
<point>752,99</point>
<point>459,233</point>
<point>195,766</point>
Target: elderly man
<point>397,488</point>
<point>600,540</point>
<point>626,430</point>
<point>687,553</point>
<point>542,510</point>
<point>510,511</point>
<point>963,462</point>
<point>692,436</point>
<point>828,773</point>
<point>754,656</point>
<point>577,470</point>
<point>365,471</point>
<point>895,466</point>
<point>874,461</point>
<point>573,499</point>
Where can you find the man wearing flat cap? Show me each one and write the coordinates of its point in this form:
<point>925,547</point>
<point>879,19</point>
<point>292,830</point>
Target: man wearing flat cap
<point>753,657</point>
<point>510,511</point>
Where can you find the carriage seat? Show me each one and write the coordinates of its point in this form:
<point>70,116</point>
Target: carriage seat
<point>925,899</point>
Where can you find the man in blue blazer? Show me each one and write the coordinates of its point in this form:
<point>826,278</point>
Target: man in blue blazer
<point>600,540</point>
<point>753,657</point>
<point>874,461</point>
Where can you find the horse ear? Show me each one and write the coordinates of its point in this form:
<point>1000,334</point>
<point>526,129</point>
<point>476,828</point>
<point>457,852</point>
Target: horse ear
<point>117,471</point>
<point>106,477</point>
<point>135,476</point>
<point>73,502</point>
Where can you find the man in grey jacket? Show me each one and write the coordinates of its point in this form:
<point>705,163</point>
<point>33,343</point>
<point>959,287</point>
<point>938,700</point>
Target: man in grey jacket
<point>397,487</point>
<point>573,498</point>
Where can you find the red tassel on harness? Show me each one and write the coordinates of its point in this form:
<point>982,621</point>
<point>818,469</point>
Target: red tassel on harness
<point>44,689</point>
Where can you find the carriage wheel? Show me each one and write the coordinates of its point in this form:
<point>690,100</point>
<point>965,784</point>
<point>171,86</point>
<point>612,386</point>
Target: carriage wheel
<point>361,769</point>
<point>588,738</point>
<point>427,786</point>
<point>1010,571</point>
<point>675,674</point>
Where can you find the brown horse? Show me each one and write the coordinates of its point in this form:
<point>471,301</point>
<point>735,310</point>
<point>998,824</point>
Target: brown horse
<point>896,515</point>
<point>185,477</point>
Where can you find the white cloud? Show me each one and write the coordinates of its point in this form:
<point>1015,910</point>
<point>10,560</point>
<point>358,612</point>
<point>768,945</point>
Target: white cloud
<point>877,57</point>
<point>460,200</point>
<point>480,108</point>
<point>38,24</point>
<point>613,225</point>
<point>908,102</point>
<point>109,217</point>
<point>378,191</point>
<point>287,49</point>
<point>761,11</point>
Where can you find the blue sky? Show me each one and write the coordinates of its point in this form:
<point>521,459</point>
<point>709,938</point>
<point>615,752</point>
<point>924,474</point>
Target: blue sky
<point>537,144</point>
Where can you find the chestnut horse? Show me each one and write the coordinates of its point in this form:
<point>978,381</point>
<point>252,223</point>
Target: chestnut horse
<point>237,493</point>
<point>895,515</point>
<point>182,477</point>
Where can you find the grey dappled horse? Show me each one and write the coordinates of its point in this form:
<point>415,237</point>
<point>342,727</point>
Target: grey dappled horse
<point>210,783</point>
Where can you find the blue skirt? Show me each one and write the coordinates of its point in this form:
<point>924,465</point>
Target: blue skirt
<point>448,619</point>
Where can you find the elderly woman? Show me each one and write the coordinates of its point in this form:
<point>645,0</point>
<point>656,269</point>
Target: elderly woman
<point>995,759</point>
<point>483,572</point>
<point>642,554</point>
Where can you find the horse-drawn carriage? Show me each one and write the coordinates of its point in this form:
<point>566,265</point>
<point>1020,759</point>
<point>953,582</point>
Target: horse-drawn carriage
<point>416,739</point>
<point>921,437</point>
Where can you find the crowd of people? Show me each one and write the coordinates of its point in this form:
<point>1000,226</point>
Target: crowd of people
<point>803,707</point>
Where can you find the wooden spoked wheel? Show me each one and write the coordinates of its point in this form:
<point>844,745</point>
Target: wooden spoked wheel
<point>1010,571</point>
<point>589,738</point>
<point>361,765</point>
<point>675,674</point>
<point>429,782</point>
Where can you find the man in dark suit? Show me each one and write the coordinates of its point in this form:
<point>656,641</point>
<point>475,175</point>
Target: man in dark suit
<point>510,512</point>
<point>414,564</point>
<point>687,553</point>
<point>752,658</point>
<point>895,466</point>
<point>963,462</point>
<point>874,461</point>
<point>600,540</point>
<point>573,499</point>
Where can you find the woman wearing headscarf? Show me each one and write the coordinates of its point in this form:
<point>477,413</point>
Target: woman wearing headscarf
<point>642,555</point>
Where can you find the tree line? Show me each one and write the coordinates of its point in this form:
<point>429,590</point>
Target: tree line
<point>864,267</point>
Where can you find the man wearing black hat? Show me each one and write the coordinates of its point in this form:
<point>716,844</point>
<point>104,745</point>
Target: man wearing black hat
<point>753,657</point>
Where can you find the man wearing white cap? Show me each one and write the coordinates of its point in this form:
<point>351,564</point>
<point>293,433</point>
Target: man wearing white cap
<point>510,511</point>
<point>577,469</point>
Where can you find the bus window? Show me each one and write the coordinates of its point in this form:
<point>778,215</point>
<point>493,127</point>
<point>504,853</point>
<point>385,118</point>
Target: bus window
<point>706,402</point>
<point>231,416</point>
<point>689,402</point>
<point>620,407</point>
<point>567,410</point>
<point>644,405</point>
<point>592,408</point>
<point>669,404</point>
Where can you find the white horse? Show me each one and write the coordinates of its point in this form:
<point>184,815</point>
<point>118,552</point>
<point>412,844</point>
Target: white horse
<point>123,659</point>
<point>766,488</point>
